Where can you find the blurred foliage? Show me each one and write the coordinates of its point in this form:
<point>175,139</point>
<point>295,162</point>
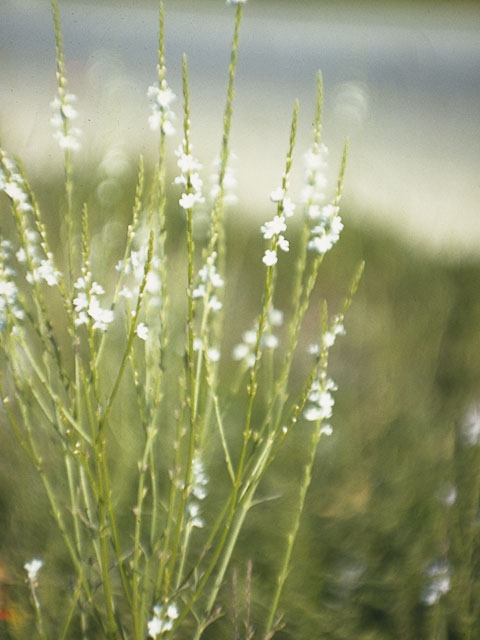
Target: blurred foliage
<point>408,371</point>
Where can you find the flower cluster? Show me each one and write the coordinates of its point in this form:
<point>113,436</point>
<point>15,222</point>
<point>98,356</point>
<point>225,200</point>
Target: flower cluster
<point>32,568</point>
<point>198,492</point>
<point>327,233</point>
<point>133,271</point>
<point>163,618</point>
<point>329,336</point>
<point>245,350</point>
<point>189,178</point>
<point>439,575</point>
<point>328,224</point>
<point>210,279</point>
<point>13,184</point>
<point>87,304</point>
<point>8,288</point>
<point>162,115</point>
<point>40,261</point>
<point>315,182</point>
<point>63,114</point>
<point>273,229</point>
<point>321,401</point>
<point>229,183</point>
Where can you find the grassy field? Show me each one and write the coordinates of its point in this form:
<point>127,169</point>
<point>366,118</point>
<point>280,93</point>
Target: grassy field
<point>408,373</point>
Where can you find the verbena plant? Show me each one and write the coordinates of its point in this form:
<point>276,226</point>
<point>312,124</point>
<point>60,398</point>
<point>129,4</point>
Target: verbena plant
<point>134,366</point>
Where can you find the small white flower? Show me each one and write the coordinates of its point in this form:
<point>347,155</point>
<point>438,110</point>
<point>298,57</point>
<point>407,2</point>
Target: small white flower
<point>273,227</point>
<point>46,271</point>
<point>186,162</point>
<point>277,194</point>
<point>320,244</point>
<point>271,341</point>
<point>155,627</point>
<point>250,337</point>
<point>187,200</point>
<point>214,304</point>
<point>240,351</point>
<point>326,430</point>
<point>276,317</point>
<point>270,258</point>
<point>283,243</point>
<point>213,354</point>
<point>288,207</point>
<point>439,574</point>
<point>21,255</point>
<point>32,568</point>
<point>142,331</point>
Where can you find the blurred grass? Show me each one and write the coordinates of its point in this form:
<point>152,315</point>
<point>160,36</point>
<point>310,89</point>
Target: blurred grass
<point>408,370</point>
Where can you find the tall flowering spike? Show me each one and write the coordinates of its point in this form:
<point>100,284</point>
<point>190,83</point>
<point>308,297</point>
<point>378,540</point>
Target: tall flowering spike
<point>64,112</point>
<point>285,208</point>
<point>87,305</point>
<point>209,280</point>
<point>160,94</point>
<point>189,166</point>
<point>320,402</point>
<point>328,223</point>
<point>245,350</point>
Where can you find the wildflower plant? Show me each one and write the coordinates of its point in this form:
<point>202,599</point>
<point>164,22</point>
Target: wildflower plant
<point>80,339</point>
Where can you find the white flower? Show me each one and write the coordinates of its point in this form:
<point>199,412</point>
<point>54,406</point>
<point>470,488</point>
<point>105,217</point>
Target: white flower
<point>276,317</point>
<point>161,116</point>
<point>81,301</point>
<point>288,207</point>
<point>101,317</point>
<point>326,430</point>
<point>273,227</point>
<point>32,568</point>
<point>68,141</point>
<point>142,331</point>
<point>187,200</point>
<point>186,162</point>
<point>213,354</point>
<point>46,271</point>
<point>156,626</point>
<point>270,258</point>
<point>214,304</point>
<point>15,192</point>
<point>320,400</point>
<point>240,351</point>
<point>162,620</point>
<point>471,426</point>
<point>194,513</point>
<point>200,479</point>
<point>320,244</point>
<point>277,194</point>
<point>21,255</point>
<point>271,341</point>
<point>283,243</point>
<point>336,226</point>
<point>439,574</point>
